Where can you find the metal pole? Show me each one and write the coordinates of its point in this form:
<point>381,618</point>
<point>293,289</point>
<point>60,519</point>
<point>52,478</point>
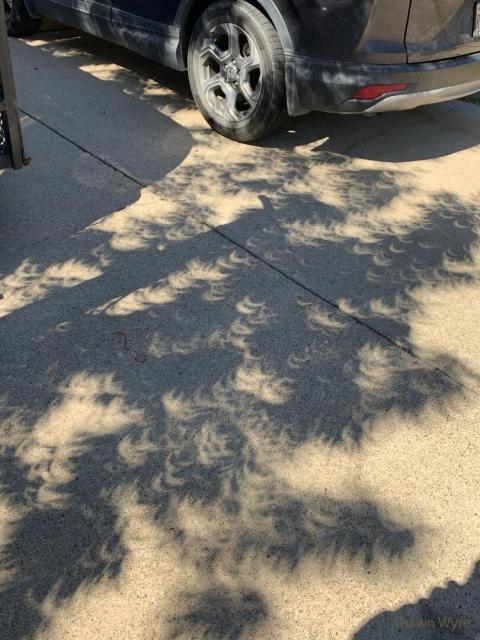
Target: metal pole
<point>8,100</point>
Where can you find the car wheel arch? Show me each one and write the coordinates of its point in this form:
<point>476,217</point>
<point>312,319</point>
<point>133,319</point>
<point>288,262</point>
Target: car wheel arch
<point>190,10</point>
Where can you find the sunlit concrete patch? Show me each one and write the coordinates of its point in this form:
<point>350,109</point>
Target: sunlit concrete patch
<point>318,316</point>
<point>352,230</point>
<point>140,601</point>
<point>87,406</point>
<point>364,532</point>
<point>444,322</point>
<point>256,311</point>
<point>10,515</point>
<point>253,315</point>
<point>107,72</point>
<point>30,283</point>
<point>229,511</point>
<point>210,277</point>
<point>146,222</point>
<point>264,385</point>
<point>421,469</point>
<point>159,593</point>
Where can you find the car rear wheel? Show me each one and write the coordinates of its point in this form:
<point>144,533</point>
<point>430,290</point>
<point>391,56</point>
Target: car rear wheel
<point>19,23</point>
<point>236,67</point>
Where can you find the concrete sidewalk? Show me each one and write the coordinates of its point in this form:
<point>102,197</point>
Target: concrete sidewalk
<point>239,384</point>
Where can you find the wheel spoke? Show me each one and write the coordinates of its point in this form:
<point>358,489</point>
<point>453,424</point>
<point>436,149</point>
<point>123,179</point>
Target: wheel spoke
<point>213,82</point>
<point>252,96</point>
<point>211,50</point>
<point>233,34</point>
<point>229,107</point>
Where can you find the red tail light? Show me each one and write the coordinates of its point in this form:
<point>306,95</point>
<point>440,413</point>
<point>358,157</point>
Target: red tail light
<point>374,91</point>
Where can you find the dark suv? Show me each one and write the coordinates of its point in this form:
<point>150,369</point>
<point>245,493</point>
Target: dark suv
<point>253,62</point>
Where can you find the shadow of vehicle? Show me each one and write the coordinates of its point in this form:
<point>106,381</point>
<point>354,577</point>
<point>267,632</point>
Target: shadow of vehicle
<point>75,109</point>
<point>392,137</point>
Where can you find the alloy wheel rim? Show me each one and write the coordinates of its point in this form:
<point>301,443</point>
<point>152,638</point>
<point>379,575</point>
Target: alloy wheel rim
<point>230,72</point>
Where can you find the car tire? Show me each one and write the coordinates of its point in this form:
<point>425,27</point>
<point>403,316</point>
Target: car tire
<point>236,67</point>
<point>19,22</point>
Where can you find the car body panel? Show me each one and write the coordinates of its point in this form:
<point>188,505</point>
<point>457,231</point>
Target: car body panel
<point>350,30</point>
<point>326,85</point>
<point>91,16</point>
<point>155,40</point>
<point>370,31</point>
<point>440,29</point>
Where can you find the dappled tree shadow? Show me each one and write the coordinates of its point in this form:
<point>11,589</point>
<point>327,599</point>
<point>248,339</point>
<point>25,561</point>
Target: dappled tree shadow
<point>218,614</point>
<point>287,530</point>
<point>178,436</point>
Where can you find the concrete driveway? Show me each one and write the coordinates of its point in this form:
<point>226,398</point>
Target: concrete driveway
<point>239,384</point>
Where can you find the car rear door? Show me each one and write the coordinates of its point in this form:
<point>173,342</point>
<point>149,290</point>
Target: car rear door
<point>146,26</point>
<point>440,29</point>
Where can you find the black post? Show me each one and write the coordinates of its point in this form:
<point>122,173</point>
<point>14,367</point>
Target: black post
<point>11,143</point>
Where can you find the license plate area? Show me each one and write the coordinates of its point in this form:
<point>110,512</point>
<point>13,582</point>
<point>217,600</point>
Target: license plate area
<point>476,21</point>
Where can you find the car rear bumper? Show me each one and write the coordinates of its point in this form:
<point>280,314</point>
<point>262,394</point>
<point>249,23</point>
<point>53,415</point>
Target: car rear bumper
<point>324,85</point>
